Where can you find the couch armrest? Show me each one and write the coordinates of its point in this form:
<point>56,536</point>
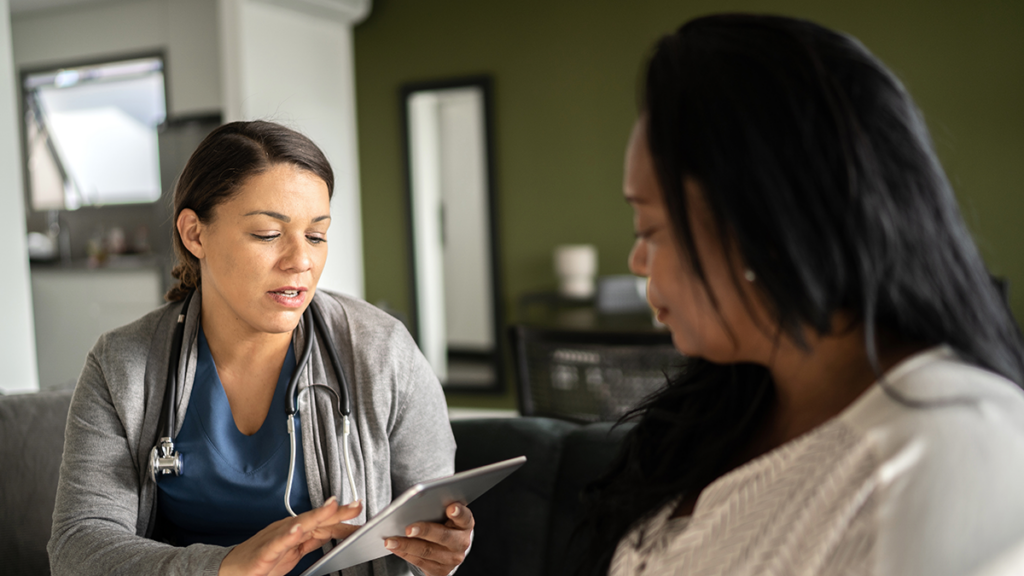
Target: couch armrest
<point>31,447</point>
<point>512,518</point>
<point>586,454</point>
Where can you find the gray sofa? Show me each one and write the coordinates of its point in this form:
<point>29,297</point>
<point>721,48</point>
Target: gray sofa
<point>31,443</point>
<point>523,525</point>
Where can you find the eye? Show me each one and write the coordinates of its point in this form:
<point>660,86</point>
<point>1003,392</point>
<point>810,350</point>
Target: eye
<point>265,237</point>
<point>643,233</point>
<point>313,239</point>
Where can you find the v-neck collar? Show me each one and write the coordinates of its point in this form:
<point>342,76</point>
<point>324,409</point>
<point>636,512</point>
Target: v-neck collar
<point>210,404</point>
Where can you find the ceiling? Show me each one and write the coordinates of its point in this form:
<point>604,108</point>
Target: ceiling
<point>21,6</point>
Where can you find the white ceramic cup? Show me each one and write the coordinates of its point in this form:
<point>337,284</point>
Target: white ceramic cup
<point>576,268</point>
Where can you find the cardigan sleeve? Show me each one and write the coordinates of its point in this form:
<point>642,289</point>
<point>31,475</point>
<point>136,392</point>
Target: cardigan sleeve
<point>94,518</point>
<point>421,439</point>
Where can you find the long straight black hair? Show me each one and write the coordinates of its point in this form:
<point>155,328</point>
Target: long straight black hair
<point>818,168</point>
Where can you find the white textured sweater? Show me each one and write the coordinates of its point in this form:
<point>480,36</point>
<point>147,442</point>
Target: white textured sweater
<point>882,489</point>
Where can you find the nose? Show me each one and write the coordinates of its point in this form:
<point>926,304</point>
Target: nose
<point>296,257</point>
<point>638,258</point>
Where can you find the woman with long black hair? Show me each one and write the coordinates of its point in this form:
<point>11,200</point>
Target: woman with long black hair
<point>853,406</point>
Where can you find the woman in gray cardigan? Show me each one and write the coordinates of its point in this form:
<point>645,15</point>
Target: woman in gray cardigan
<point>252,208</point>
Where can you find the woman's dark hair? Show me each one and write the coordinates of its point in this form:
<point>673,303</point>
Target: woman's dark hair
<point>819,171</point>
<point>222,163</point>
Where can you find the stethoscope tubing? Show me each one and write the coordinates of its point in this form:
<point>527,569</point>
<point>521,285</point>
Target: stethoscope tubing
<point>171,391</point>
<point>315,323</point>
<point>290,396</point>
<point>345,406</point>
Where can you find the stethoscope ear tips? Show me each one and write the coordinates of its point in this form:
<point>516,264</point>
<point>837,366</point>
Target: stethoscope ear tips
<point>164,460</point>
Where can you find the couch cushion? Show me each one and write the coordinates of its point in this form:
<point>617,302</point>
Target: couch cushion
<point>511,518</point>
<point>31,446</point>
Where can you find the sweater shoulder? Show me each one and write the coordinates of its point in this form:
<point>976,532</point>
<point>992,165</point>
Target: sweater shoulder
<point>365,322</point>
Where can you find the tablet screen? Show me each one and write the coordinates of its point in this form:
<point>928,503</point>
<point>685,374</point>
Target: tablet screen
<point>424,502</point>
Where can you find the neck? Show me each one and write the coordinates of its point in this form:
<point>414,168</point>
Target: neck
<point>231,344</point>
<point>815,384</point>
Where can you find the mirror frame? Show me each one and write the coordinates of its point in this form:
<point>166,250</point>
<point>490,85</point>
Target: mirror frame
<point>485,84</point>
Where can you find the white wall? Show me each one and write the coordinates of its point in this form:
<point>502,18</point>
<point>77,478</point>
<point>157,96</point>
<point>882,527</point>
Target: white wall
<point>185,31</point>
<point>17,332</point>
<point>291,61</point>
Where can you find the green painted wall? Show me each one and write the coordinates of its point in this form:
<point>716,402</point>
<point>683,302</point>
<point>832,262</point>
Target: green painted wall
<point>566,75</point>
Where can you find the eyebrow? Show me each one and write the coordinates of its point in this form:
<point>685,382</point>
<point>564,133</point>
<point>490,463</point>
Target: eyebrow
<point>282,217</point>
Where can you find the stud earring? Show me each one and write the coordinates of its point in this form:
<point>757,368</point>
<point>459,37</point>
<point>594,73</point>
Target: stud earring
<point>749,275</point>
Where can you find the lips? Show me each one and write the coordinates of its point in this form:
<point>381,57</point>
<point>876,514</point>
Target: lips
<point>659,312</point>
<point>288,296</point>
<point>654,305</point>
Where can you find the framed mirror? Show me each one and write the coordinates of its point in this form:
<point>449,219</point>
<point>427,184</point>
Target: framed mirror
<point>456,302</point>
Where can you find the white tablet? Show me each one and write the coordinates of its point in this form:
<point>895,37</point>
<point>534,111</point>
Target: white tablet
<point>424,502</point>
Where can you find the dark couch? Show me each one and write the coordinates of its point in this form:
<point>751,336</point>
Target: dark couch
<point>523,524</point>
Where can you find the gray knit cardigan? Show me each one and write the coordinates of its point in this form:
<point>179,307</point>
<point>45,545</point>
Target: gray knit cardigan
<point>106,503</point>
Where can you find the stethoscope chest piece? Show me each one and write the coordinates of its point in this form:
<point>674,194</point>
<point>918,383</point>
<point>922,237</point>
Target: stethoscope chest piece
<point>163,459</point>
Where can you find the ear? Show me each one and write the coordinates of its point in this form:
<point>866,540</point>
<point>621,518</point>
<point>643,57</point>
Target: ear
<point>190,228</point>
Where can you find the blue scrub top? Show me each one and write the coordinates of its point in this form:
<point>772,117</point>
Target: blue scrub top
<point>232,485</point>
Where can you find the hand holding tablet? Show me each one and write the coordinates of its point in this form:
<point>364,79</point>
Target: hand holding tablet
<point>436,548</point>
<point>424,502</point>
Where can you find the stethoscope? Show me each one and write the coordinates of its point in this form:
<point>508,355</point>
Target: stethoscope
<point>163,459</point>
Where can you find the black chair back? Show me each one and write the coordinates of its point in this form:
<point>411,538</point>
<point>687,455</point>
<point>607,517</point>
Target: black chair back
<point>589,376</point>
